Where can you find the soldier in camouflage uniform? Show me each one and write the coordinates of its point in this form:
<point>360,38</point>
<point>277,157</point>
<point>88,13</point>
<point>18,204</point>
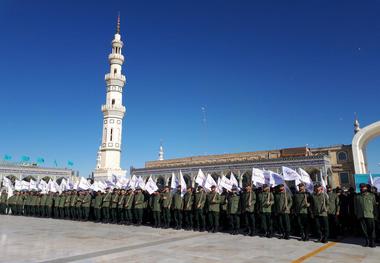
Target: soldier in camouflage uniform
<point>248,209</point>
<point>188,201</point>
<point>213,202</point>
<point>266,201</point>
<point>98,206</point>
<point>365,206</point>
<point>166,201</point>
<point>333,211</point>
<point>3,202</point>
<point>120,206</point>
<point>319,208</point>
<point>177,206</point>
<point>138,206</point>
<point>301,204</point>
<point>86,204</point>
<point>282,204</point>
<point>199,203</point>
<point>233,211</point>
<point>155,205</point>
<point>114,202</point>
<point>128,205</point>
<point>106,204</point>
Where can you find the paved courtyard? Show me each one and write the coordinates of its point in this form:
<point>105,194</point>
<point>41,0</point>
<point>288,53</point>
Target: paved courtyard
<point>48,240</point>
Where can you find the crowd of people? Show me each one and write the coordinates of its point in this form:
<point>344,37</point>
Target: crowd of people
<point>264,211</point>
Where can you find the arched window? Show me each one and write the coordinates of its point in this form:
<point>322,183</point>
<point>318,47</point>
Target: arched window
<point>111,135</point>
<point>113,102</point>
<point>342,156</point>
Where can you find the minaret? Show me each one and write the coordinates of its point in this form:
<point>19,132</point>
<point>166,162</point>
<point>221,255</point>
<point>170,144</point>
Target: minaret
<point>356,124</point>
<point>161,153</point>
<point>113,113</point>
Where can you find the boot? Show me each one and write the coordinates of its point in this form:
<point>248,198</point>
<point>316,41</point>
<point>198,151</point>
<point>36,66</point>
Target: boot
<point>372,243</point>
<point>366,242</point>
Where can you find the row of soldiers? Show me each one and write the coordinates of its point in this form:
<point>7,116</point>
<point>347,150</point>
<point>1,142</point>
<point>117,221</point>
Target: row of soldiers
<point>200,210</point>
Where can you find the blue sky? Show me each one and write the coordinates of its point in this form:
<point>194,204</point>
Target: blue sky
<point>271,74</point>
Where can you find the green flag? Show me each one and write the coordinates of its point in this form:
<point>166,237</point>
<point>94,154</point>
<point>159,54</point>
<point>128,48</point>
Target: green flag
<point>70,163</point>
<point>25,158</point>
<point>7,157</point>
<point>55,163</point>
<point>40,160</point>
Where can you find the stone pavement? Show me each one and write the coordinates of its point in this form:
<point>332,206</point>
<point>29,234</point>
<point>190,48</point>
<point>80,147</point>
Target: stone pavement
<point>25,239</point>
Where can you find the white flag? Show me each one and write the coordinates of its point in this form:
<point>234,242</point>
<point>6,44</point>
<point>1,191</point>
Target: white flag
<point>140,183</point>
<point>258,177</point>
<point>289,174</point>
<point>219,187</point>
<point>275,179</point>
<point>24,185</point>
<point>182,183</point>
<point>7,182</point>
<point>370,180</point>
<point>51,187</point>
<point>174,182</point>
<point>306,179</point>
<point>209,182</point>
<point>225,183</point>
<point>151,186</point>
<point>63,185</point>
<point>304,176</point>
<point>43,186</point>
<point>84,184</point>
<point>376,182</point>
<point>201,178</point>
<point>132,182</point>
<point>18,185</point>
<point>233,180</point>
<point>32,185</point>
<point>323,183</point>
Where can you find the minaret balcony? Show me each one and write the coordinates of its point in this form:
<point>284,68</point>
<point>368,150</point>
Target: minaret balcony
<point>111,76</point>
<point>111,108</point>
<point>115,58</point>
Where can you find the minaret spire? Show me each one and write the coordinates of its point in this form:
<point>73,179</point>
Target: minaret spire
<point>356,124</point>
<point>161,152</point>
<point>118,24</point>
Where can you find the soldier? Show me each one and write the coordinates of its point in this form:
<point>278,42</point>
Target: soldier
<point>188,201</point>
<point>266,201</point>
<point>107,197</point>
<point>73,202</point>
<point>43,205</point>
<point>177,208</point>
<point>120,206</point>
<point>61,205</point>
<point>27,204</point>
<point>166,201</point>
<point>199,203</point>
<point>78,205</point>
<point>282,204</point>
<point>138,205</point>
<point>365,205</point>
<point>67,204</point>
<point>98,206</point>
<point>12,203</point>
<point>223,218</point>
<point>213,200</point>
<point>86,204</point>
<point>56,199</point>
<point>333,211</point>
<point>233,211</point>
<point>3,202</point>
<point>319,208</point>
<point>301,209</point>
<point>248,208</point>
<point>34,204</point>
<point>19,203</point>
<point>155,205</point>
<point>49,204</point>
<point>128,205</point>
<point>114,202</point>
